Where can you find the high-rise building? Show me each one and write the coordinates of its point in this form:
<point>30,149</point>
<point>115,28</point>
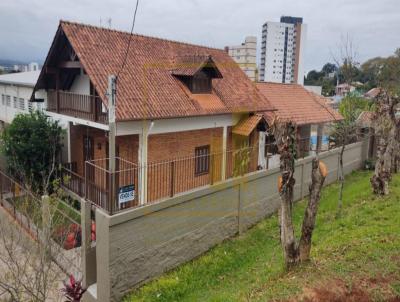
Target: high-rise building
<point>245,56</point>
<point>282,50</point>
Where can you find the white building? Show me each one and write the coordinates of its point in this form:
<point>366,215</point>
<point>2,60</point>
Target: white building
<point>282,51</point>
<point>245,55</point>
<point>15,92</point>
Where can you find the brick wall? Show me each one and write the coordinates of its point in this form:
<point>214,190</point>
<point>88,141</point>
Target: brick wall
<point>164,177</point>
<point>171,178</point>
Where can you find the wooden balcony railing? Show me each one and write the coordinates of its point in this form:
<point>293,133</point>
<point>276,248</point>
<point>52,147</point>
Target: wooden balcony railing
<point>87,107</point>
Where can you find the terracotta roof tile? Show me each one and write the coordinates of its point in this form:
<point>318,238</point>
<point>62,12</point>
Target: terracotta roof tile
<point>293,102</point>
<point>365,118</point>
<point>146,87</point>
<point>247,125</point>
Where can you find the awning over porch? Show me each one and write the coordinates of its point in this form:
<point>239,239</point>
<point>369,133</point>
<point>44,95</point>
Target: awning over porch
<point>247,125</point>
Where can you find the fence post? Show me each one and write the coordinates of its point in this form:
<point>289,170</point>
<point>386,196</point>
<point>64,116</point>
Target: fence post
<point>87,253</point>
<point>172,175</point>
<point>111,192</point>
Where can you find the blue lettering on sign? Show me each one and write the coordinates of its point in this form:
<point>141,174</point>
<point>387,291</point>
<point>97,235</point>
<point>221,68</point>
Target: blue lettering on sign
<point>126,194</point>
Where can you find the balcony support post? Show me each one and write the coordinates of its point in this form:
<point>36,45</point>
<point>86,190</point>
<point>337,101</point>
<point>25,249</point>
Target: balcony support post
<point>111,141</point>
<point>58,91</point>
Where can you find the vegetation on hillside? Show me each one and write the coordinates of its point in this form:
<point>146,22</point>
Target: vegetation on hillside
<point>367,73</point>
<point>353,257</point>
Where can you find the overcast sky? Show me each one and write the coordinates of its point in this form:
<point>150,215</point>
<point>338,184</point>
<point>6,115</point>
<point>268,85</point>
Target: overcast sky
<point>27,27</point>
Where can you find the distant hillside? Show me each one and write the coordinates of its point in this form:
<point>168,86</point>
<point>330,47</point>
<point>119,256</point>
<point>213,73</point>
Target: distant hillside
<point>8,62</point>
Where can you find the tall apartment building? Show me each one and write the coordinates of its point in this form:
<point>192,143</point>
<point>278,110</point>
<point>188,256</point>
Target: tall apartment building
<point>245,56</point>
<point>282,50</point>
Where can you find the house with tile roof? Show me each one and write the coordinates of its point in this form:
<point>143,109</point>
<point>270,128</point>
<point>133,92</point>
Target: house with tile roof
<point>309,111</point>
<point>180,112</point>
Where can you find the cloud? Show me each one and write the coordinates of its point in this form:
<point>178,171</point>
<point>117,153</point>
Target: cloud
<point>27,27</point>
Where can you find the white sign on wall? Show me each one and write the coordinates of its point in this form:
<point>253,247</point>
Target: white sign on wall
<point>126,194</point>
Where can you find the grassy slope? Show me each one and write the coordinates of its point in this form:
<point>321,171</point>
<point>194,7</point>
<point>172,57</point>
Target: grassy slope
<point>365,242</point>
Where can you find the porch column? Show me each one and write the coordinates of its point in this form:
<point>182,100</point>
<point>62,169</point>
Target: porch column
<point>261,149</point>
<point>224,146</point>
<point>111,141</point>
<point>143,146</point>
<point>320,132</point>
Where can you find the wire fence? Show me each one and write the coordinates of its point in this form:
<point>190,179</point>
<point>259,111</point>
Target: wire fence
<point>64,223</point>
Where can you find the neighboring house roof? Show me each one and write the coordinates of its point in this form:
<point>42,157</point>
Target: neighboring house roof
<point>20,78</point>
<point>373,93</point>
<point>345,85</point>
<point>365,119</point>
<point>247,125</point>
<point>147,87</point>
<point>293,102</point>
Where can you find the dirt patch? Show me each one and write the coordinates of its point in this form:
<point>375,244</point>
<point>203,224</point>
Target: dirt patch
<point>358,290</point>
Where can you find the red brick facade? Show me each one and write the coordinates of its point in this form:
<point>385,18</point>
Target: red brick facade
<point>171,157</point>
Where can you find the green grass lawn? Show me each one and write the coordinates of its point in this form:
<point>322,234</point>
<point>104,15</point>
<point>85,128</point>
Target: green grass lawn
<point>356,255</point>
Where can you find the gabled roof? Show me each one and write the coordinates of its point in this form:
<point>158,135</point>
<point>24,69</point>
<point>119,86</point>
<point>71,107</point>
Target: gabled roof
<point>147,87</point>
<point>293,102</point>
<point>373,93</point>
<point>190,65</point>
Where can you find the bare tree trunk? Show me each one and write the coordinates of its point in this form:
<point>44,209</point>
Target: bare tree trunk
<point>310,214</point>
<point>380,180</point>
<point>285,135</point>
<point>288,238</point>
<point>386,126</point>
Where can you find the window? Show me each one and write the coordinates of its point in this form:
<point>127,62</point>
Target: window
<point>21,104</point>
<point>3,99</point>
<point>201,83</point>
<point>202,160</point>
<point>8,100</point>
<point>15,102</point>
<point>30,107</point>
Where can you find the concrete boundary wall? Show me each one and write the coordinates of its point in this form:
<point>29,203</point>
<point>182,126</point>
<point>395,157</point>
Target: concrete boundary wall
<point>140,244</point>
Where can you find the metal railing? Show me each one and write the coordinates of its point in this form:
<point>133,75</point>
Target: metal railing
<point>88,107</point>
<point>166,179</point>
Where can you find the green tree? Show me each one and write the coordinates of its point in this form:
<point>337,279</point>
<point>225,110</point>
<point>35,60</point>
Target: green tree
<point>352,106</point>
<point>329,68</point>
<point>32,147</point>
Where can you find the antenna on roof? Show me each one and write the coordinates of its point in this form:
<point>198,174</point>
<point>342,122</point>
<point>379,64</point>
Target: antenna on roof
<point>101,21</point>
<point>109,21</point>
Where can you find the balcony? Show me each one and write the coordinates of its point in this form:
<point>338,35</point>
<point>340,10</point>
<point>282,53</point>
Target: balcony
<point>87,107</point>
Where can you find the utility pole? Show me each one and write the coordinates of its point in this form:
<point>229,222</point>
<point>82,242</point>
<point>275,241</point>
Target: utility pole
<point>111,93</point>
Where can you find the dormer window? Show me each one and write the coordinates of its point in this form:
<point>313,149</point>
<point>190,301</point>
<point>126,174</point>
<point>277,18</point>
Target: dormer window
<point>199,83</point>
<point>197,72</point>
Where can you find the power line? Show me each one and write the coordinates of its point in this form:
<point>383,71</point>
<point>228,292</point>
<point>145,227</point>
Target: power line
<point>130,38</point>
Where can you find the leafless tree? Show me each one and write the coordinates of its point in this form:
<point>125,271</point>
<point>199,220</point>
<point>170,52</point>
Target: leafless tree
<point>28,270</point>
<point>295,252</point>
<point>344,132</point>
<point>346,59</point>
